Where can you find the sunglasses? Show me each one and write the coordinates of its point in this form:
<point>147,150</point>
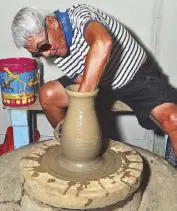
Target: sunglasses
<point>45,46</point>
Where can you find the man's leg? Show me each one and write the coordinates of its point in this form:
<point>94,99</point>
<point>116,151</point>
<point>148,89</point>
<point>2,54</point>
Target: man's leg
<point>54,101</point>
<point>165,116</point>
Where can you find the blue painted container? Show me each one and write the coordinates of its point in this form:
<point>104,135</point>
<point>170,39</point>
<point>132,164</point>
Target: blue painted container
<point>18,77</point>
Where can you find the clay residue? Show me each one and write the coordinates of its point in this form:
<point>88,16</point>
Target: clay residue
<point>82,186</point>
<point>35,174</point>
<point>107,193</point>
<point>50,180</point>
<point>88,202</point>
<point>112,178</point>
<point>70,184</point>
<point>116,163</point>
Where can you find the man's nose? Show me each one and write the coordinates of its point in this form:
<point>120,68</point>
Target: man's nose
<point>46,54</point>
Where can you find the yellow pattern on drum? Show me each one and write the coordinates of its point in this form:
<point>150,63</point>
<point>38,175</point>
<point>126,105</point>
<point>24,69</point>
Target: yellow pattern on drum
<point>24,101</point>
<point>18,102</point>
<point>6,96</point>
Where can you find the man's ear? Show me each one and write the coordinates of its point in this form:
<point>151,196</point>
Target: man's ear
<point>52,22</point>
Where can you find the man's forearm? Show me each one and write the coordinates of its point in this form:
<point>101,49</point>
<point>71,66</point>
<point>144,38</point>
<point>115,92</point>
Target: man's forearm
<point>96,61</point>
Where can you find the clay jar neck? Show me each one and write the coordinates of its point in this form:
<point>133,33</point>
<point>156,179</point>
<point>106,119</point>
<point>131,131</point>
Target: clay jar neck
<point>81,139</point>
<point>82,101</point>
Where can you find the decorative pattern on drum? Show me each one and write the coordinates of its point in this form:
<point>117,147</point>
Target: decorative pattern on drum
<point>18,83</point>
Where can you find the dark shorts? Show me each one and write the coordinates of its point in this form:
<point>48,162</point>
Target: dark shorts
<point>148,89</point>
<point>65,81</point>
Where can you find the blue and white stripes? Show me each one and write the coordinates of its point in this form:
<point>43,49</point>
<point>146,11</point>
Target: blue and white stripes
<point>127,55</point>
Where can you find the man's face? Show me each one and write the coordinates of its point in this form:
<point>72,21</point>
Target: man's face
<point>50,41</point>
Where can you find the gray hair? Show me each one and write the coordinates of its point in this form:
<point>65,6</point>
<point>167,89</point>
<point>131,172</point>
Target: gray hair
<point>28,21</point>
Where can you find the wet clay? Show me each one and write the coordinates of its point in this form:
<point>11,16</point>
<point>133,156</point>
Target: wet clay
<point>59,188</point>
<point>78,172</point>
<point>81,139</point>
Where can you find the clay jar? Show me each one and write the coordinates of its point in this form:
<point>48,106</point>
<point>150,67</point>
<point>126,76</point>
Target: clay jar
<point>81,138</point>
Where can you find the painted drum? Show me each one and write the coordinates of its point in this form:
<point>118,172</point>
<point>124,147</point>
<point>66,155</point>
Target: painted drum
<point>18,77</point>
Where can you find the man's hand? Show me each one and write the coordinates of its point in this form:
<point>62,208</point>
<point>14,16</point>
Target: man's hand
<point>100,42</point>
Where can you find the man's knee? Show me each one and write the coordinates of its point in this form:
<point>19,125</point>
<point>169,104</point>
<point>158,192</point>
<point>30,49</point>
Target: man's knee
<point>169,125</point>
<point>166,116</point>
<point>52,93</point>
<point>169,121</point>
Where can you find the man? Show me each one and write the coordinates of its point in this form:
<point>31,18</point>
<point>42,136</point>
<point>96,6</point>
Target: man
<point>93,49</point>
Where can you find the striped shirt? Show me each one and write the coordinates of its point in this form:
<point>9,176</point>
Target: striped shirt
<point>126,56</point>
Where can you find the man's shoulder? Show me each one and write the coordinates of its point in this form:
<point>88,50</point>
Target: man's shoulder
<point>80,7</point>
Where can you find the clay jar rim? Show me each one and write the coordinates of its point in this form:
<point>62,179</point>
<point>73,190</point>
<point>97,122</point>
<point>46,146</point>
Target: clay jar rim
<point>72,90</point>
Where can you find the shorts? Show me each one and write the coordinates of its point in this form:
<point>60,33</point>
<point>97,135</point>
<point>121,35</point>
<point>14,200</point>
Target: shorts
<point>65,81</point>
<point>148,89</point>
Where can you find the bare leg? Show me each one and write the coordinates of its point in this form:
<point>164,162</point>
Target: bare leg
<point>54,101</point>
<point>165,116</point>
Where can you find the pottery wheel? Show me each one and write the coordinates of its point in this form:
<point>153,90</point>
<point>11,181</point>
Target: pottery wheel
<point>114,180</point>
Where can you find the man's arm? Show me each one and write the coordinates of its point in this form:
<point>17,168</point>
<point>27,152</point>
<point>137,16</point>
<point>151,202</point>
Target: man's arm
<point>100,43</point>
